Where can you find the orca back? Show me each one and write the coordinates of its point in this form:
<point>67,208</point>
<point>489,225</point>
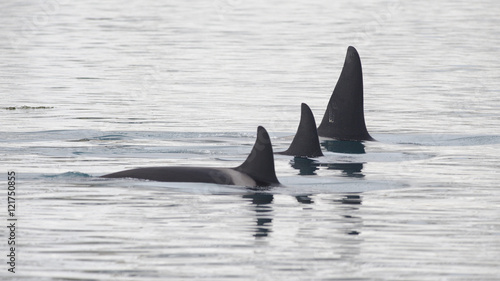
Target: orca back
<point>256,171</point>
<point>177,174</point>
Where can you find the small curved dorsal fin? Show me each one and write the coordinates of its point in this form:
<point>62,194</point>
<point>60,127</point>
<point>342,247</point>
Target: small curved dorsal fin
<point>344,116</point>
<point>259,164</point>
<point>306,140</point>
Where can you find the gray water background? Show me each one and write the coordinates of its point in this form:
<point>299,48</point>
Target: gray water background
<point>91,87</point>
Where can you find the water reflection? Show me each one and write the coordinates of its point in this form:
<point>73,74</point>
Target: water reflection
<point>304,199</point>
<point>305,166</point>
<point>352,203</point>
<point>348,169</point>
<point>308,166</point>
<point>352,199</point>
<point>263,210</point>
<point>351,147</point>
<point>262,205</point>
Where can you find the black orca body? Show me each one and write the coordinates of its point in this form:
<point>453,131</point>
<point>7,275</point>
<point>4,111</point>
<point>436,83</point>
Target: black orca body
<point>256,171</point>
<point>344,116</point>
<point>306,140</point>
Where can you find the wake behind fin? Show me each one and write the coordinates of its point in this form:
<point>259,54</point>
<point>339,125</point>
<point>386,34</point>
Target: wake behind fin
<point>306,140</point>
<point>259,164</point>
<point>344,116</point>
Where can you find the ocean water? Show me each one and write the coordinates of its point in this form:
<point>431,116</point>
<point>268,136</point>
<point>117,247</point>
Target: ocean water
<point>92,87</point>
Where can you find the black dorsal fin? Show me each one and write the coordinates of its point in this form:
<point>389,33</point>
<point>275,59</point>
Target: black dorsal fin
<point>344,117</point>
<point>260,162</point>
<point>306,140</point>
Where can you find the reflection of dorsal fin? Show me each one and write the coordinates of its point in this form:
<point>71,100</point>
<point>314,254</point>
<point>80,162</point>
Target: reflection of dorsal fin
<point>344,117</point>
<point>306,141</point>
<point>260,162</point>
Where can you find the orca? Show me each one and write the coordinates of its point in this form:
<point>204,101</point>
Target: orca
<point>257,170</point>
<point>344,116</point>
<point>306,140</point>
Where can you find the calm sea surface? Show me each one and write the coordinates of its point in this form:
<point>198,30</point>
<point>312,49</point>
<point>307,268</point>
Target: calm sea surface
<point>93,87</point>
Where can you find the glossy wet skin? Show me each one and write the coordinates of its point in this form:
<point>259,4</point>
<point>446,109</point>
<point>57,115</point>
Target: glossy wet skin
<point>257,170</point>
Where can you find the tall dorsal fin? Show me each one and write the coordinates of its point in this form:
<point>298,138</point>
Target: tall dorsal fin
<point>306,140</point>
<point>344,117</point>
<point>260,162</point>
